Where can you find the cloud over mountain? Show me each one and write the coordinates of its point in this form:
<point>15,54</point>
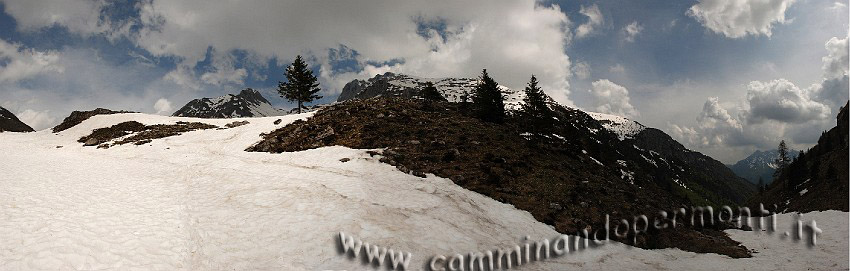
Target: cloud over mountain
<point>782,101</point>
<point>775,110</point>
<point>611,98</point>
<point>427,39</point>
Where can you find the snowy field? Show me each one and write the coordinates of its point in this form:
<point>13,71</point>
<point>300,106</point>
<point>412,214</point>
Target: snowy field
<point>199,202</point>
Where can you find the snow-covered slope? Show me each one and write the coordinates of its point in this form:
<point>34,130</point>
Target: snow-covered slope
<point>402,85</point>
<point>197,201</point>
<point>624,128</point>
<point>248,103</point>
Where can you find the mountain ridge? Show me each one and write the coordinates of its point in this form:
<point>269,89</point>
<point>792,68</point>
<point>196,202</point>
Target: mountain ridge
<point>633,134</point>
<point>248,103</point>
<point>407,86</point>
<point>759,164</point>
<point>10,123</point>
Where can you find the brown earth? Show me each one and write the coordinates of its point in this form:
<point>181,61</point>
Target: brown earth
<point>78,117</point>
<point>141,134</point>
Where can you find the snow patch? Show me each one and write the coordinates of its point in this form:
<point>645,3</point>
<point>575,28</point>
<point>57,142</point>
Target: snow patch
<point>624,128</point>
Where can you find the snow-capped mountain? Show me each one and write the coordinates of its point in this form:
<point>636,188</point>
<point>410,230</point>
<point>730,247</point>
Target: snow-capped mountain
<point>623,127</point>
<point>10,123</point>
<point>760,164</point>
<point>248,103</point>
<point>400,85</point>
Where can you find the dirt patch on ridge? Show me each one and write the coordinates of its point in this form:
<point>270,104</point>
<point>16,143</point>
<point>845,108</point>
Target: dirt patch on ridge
<point>78,117</point>
<point>139,133</point>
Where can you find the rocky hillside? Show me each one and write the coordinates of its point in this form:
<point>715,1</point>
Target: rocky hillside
<point>248,103</point>
<point>706,181</point>
<point>10,123</point>
<point>406,86</point>
<point>759,165</point>
<point>78,117</point>
<point>568,177</point>
<point>818,179</point>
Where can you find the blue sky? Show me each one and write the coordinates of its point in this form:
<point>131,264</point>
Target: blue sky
<point>724,77</point>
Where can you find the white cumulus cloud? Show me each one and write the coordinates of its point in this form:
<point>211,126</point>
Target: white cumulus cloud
<point>631,31</point>
<point>581,70</point>
<point>162,106</point>
<point>594,20</point>
<point>611,98</point>
<point>835,63</point>
<point>38,120</point>
<point>774,110</point>
<point>22,63</point>
<point>739,18</point>
<point>781,100</point>
<point>506,37</point>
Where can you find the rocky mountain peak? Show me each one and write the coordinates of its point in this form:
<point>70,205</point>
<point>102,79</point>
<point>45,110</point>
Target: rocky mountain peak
<point>248,103</point>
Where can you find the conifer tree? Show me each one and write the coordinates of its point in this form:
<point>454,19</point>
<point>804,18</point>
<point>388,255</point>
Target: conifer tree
<point>534,103</point>
<point>301,85</point>
<point>487,99</point>
<point>431,94</point>
<point>782,159</point>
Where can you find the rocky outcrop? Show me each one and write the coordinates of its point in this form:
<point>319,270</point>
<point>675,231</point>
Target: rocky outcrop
<point>78,117</point>
<point>10,123</point>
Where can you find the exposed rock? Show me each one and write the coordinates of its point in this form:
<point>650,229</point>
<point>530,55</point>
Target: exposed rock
<point>78,117</point>
<point>10,123</point>
<point>236,124</point>
<point>137,133</point>
<point>91,142</point>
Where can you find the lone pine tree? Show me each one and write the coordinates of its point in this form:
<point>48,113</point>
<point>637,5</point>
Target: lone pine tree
<point>487,99</point>
<point>535,107</point>
<point>301,85</point>
<point>535,100</point>
<point>782,159</point>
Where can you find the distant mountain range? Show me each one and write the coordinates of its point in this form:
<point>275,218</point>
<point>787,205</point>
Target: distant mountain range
<point>10,123</point>
<point>248,103</point>
<point>760,164</point>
